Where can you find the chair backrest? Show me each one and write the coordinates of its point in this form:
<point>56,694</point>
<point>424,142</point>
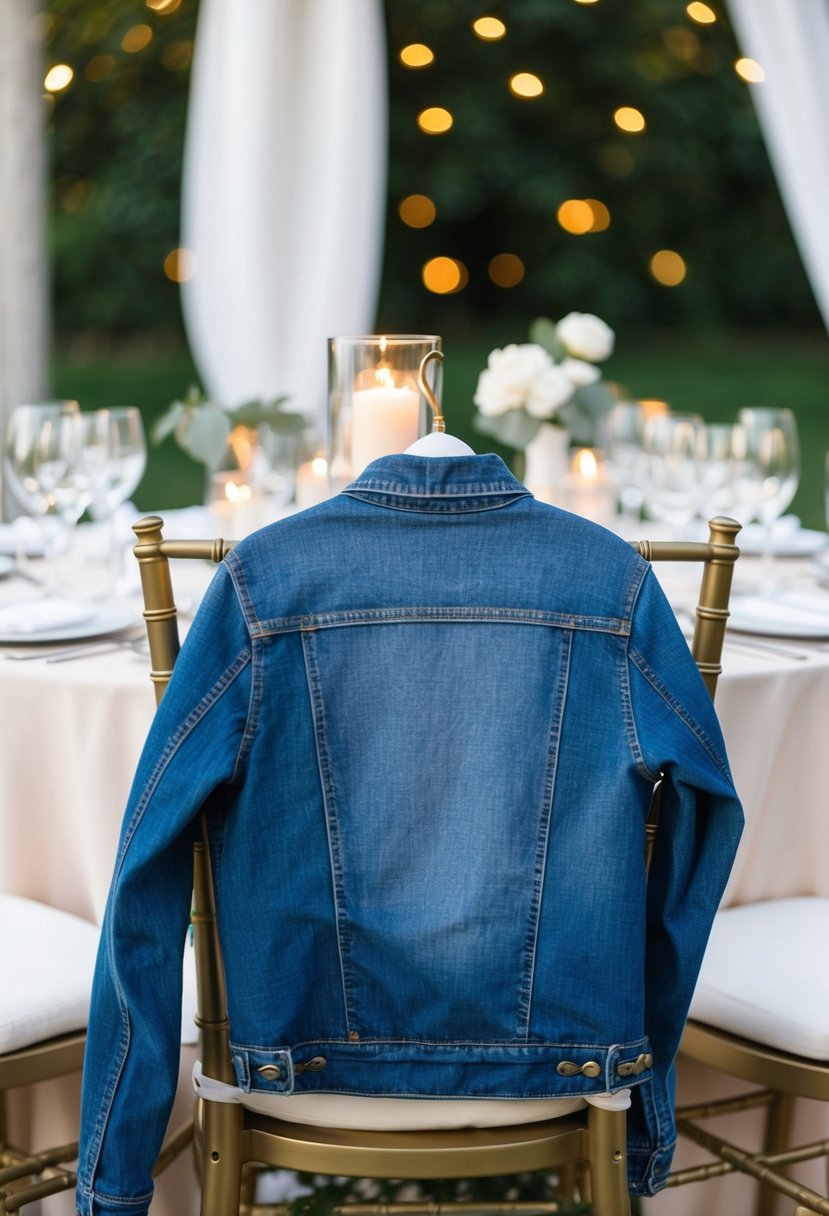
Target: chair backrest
<point>153,552</point>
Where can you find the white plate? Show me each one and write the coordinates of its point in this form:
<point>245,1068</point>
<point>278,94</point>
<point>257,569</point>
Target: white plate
<point>103,620</point>
<point>794,615</point>
<point>797,542</point>
<point>14,540</point>
<point>6,566</point>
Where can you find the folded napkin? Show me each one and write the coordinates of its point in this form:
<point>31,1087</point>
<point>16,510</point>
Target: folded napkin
<point>795,612</point>
<point>42,616</point>
<point>21,537</point>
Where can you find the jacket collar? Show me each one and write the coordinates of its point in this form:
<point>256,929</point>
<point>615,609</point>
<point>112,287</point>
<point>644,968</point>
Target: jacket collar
<point>443,484</point>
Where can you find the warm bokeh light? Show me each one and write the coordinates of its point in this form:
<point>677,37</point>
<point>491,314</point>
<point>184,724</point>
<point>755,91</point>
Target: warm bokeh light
<point>176,56</point>
<point>628,118</point>
<point>435,120</point>
<point>701,13</point>
<point>506,270</point>
<point>136,38</point>
<point>417,210</point>
<point>601,215</point>
<point>489,28</point>
<point>444,275</point>
<point>526,84</point>
<point>99,68</point>
<point>575,215</point>
<point>750,71</point>
<point>587,1</point>
<point>668,268</point>
<point>180,265</point>
<point>58,77</point>
<point>416,55</point>
<point>652,406</point>
<point>585,464</point>
<point>163,7</point>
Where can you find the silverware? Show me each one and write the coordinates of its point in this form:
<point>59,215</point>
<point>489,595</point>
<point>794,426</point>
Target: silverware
<point>764,647</point>
<point>81,650</point>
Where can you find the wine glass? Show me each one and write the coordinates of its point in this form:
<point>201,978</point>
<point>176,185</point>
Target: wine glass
<point>113,459</point>
<point>719,447</point>
<point>41,465</point>
<point>672,446</point>
<point>624,427</point>
<point>768,468</point>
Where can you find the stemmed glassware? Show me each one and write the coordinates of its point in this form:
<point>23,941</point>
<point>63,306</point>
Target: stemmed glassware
<point>41,463</point>
<point>767,469</point>
<point>623,435</point>
<point>673,450</point>
<point>113,459</point>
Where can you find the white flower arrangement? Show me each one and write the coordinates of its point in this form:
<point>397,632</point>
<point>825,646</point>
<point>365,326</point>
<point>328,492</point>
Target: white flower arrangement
<point>552,378</point>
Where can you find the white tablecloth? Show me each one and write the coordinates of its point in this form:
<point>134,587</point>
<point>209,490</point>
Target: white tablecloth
<point>71,734</point>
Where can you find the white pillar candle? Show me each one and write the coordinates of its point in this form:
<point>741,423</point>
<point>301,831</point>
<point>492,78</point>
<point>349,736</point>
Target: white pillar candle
<point>235,508</point>
<point>384,419</point>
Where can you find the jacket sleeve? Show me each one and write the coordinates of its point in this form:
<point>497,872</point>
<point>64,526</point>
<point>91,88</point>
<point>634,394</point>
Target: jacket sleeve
<point>676,734</point>
<point>194,752</point>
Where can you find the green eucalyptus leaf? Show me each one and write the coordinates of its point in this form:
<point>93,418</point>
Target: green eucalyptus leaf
<point>203,434</point>
<point>543,333</point>
<point>167,422</point>
<point>514,428</point>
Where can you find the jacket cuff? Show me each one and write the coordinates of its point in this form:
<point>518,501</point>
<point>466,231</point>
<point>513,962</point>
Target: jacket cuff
<point>87,1203</point>
<point>648,1171</point>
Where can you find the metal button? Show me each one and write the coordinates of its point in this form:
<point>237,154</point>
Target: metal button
<point>269,1071</point>
<point>567,1068</point>
<point>591,1069</point>
<point>315,1064</point>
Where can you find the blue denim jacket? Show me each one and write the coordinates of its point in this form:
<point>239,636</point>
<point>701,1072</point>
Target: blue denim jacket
<point>425,718</point>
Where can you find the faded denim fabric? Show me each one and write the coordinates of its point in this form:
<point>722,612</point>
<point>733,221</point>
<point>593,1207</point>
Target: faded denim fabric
<point>425,718</point>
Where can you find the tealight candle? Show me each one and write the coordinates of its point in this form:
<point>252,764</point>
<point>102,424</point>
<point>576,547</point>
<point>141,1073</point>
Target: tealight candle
<point>589,492</point>
<point>234,506</point>
<point>312,482</point>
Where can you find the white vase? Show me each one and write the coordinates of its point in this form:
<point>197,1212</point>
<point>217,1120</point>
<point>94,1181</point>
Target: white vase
<point>547,462</point>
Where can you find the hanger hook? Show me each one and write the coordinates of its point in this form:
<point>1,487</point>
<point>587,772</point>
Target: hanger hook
<point>438,420</point>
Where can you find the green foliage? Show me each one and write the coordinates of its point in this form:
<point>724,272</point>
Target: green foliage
<point>116,149</point>
<point>697,180</point>
<point>202,427</point>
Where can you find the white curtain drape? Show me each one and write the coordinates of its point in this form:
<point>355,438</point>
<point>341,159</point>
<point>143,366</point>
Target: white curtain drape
<point>24,313</point>
<point>790,41</point>
<point>284,191</point>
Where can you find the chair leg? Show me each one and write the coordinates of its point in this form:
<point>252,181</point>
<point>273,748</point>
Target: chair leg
<point>221,1169</point>
<point>777,1137</point>
<point>608,1163</point>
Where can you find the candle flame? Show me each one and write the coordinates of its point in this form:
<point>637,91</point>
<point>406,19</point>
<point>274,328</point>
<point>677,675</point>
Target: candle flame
<point>319,466</point>
<point>236,493</point>
<point>384,378</point>
<point>382,346</point>
<point>586,465</point>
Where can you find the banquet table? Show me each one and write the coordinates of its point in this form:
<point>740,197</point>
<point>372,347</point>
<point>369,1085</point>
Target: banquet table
<point>72,732</point>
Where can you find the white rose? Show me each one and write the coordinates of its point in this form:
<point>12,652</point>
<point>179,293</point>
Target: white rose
<point>522,377</point>
<point>580,373</point>
<point>549,392</point>
<point>585,336</point>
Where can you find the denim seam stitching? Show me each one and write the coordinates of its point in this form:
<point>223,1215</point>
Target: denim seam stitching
<point>518,1045</point>
<point>173,744</point>
<point>103,1197</point>
<point>425,614</point>
<point>448,506</point>
<point>681,712</point>
<point>331,824</point>
<point>543,834</point>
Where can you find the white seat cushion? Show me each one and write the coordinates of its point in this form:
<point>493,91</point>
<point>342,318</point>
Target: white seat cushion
<point>47,958</point>
<point>765,975</point>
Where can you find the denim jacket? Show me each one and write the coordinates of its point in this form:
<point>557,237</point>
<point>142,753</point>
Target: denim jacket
<point>425,718</point>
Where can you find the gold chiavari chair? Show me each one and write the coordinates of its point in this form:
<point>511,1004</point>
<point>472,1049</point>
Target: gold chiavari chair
<point>761,1015</point>
<point>589,1145</point>
<point>46,958</point>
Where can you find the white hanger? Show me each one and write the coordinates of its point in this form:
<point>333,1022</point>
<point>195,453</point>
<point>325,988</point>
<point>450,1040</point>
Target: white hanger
<point>437,443</point>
